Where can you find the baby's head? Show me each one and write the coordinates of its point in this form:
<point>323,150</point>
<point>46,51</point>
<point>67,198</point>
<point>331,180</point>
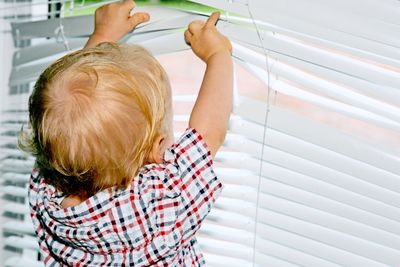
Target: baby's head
<point>97,116</point>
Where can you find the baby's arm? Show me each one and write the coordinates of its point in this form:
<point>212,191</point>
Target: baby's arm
<point>113,21</point>
<point>210,115</point>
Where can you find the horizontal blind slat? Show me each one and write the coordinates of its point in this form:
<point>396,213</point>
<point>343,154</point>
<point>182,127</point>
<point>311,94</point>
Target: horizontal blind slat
<point>331,237</point>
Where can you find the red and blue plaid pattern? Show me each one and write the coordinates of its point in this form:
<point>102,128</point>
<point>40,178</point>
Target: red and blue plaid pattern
<point>153,222</point>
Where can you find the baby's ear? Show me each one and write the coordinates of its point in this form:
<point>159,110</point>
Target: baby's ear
<point>156,153</point>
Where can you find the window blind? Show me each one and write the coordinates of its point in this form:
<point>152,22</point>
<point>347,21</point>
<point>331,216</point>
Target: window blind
<point>311,160</point>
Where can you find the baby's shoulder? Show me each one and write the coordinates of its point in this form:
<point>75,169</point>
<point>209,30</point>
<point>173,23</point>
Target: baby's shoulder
<point>156,181</point>
<point>186,162</point>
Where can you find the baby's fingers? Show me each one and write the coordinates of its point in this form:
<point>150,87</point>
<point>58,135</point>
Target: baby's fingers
<point>212,20</point>
<point>130,4</point>
<point>188,37</point>
<point>195,26</point>
<point>138,18</point>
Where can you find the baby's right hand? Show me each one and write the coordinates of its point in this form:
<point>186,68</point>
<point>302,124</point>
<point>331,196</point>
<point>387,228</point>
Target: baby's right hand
<point>113,21</point>
<point>205,39</point>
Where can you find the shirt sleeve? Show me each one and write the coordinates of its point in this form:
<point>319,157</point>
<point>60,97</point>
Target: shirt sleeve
<point>189,166</point>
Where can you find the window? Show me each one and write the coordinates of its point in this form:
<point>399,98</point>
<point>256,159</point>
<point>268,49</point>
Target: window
<point>311,161</point>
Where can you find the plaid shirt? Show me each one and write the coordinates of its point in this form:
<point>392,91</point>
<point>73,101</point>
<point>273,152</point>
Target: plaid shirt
<point>152,222</point>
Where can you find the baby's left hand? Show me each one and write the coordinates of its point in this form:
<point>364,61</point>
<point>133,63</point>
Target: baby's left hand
<point>113,21</point>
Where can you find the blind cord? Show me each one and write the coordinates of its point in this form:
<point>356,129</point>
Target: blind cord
<point>59,31</point>
<point>268,70</point>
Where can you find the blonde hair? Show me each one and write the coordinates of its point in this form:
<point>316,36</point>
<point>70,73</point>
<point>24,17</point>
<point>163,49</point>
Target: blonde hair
<point>95,114</point>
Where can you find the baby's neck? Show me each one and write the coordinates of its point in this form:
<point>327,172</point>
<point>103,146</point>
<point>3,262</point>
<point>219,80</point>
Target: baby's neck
<point>71,200</point>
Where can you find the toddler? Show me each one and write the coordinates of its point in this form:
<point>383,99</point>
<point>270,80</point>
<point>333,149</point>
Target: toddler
<point>109,187</point>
